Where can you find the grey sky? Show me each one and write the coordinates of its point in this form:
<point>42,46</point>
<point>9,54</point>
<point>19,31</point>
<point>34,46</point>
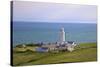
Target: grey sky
<point>53,12</point>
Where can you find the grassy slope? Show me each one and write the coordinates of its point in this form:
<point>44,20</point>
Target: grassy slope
<point>85,52</point>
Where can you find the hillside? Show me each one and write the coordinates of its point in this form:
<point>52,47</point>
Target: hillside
<point>82,53</point>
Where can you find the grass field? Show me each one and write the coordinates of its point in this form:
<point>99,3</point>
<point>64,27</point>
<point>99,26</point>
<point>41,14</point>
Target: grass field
<point>83,53</point>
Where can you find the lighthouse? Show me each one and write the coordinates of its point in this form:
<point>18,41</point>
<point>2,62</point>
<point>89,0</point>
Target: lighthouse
<point>62,35</point>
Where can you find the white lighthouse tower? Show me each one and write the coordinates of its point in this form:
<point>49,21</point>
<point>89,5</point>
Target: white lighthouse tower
<point>62,35</point>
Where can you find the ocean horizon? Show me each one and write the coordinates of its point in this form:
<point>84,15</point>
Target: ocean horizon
<point>36,32</point>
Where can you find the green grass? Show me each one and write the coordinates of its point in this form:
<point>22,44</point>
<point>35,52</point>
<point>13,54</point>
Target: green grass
<point>84,52</point>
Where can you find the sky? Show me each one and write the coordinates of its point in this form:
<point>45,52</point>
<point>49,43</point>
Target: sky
<point>53,12</point>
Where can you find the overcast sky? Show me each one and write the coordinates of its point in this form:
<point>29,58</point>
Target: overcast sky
<point>53,12</point>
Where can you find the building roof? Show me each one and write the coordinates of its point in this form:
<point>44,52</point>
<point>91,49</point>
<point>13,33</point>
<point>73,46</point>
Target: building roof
<point>70,42</point>
<point>41,49</point>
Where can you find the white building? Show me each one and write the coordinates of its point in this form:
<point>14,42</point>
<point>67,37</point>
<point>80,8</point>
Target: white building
<point>70,45</point>
<point>59,46</point>
<point>62,35</point>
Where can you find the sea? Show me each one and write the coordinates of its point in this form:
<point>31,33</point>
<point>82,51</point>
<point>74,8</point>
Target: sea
<point>36,32</point>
